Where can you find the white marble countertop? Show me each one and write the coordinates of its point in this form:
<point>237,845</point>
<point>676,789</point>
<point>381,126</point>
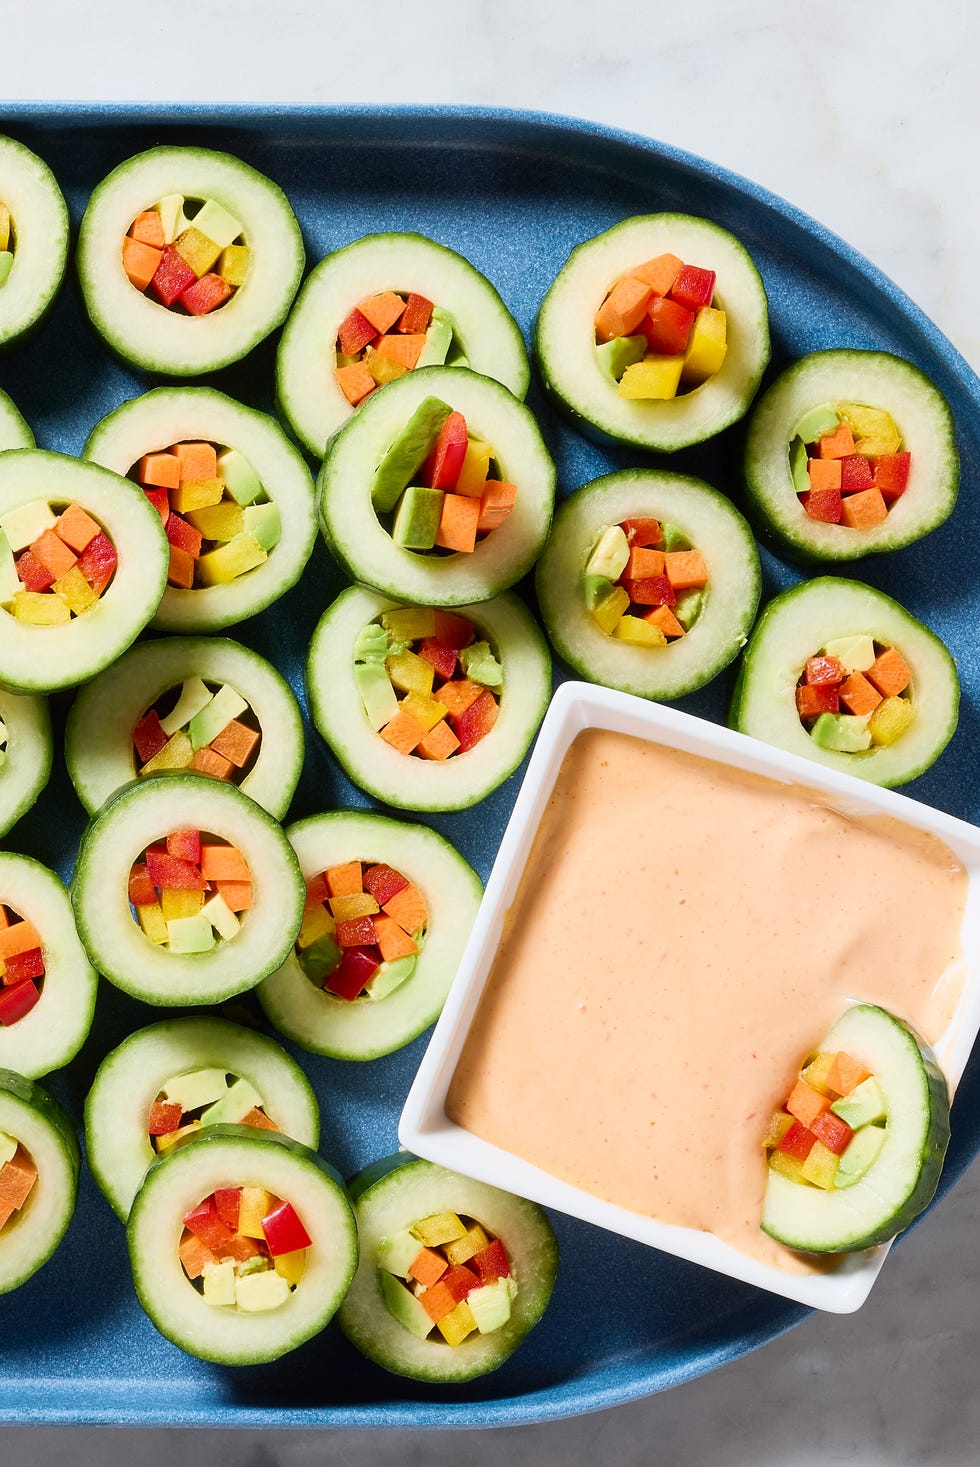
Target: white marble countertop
<point>864,116</point>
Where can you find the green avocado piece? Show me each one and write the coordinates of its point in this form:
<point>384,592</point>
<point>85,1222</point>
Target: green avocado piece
<point>855,654</point>
<point>8,1149</point>
<point>844,732</point>
<point>194,698</point>
<point>490,1306</point>
<point>673,539</point>
<point>438,340</point>
<point>797,466</point>
<point>240,479</point>
<point>397,1253</point>
<point>237,1101</point>
<point>690,605</point>
<point>480,665</point>
<point>408,453</point>
<point>372,643</point>
<point>377,694</point>
<point>865,1106</point>
<point>6,265</point>
<point>319,959</point>
<point>861,1151</point>
<point>190,934</point>
<point>597,588</point>
<point>390,976</point>
<point>263,521</point>
<point>208,723</point>
<point>616,355</point>
<point>818,421</point>
<point>404,1307</point>
<point>609,554</point>
<point>197,1088</point>
<point>417,518</point>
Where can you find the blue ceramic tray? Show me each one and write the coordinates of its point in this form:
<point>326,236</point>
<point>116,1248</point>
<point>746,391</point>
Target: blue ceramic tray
<point>514,192</point>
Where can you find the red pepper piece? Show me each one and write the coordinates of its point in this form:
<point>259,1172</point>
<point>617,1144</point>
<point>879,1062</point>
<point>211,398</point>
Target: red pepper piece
<point>173,275</point>
<point>821,670</point>
<point>142,892</point>
<point>455,631</point>
<point>356,967</point>
<point>98,561</point>
<point>442,468</point>
<point>354,334</point>
<point>416,315</point>
<point>160,499</point>
<point>855,474</point>
<point>164,1117</point>
<point>823,504</point>
<point>185,845</point>
<point>205,1224</point>
<point>476,722</point>
<point>183,535</point>
<point>148,736</point>
<point>23,966</point>
<point>439,655</point>
<point>206,295</point>
<point>461,1281</point>
<point>283,1231</point>
<point>171,874</point>
<point>832,1131</point>
<point>821,698</point>
<point>356,932</point>
<point>667,326</point>
<point>317,889</point>
<point>227,1204</point>
<point>383,882</point>
<point>491,1263</point>
<point>891,475</point>
<point>693,287</point>
<point>797,1142</point>
<point>651,591</point>
<point>33,574</point>
<point>642,533</point>
<point>17,1001</point>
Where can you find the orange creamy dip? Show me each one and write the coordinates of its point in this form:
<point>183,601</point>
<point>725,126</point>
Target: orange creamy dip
<point>683,936</point>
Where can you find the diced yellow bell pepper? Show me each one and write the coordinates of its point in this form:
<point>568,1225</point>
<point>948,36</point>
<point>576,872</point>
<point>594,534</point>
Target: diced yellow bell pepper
<point>706,346</point>
<point>177,753</point>
<point>410,623</point>
<point>787,1166</point>
<point>874,429</point>
<point>4,227</point>
<point>609,612</point>
<point>655,377</point>
<point>424,710</point>
<point>441,1227</point>
<point>183,903</point>
<point>473,474</point>
<point>199,251</point>
<point>256,1203</point>
<point>890,720</point>
<point>174,1138</point>
<point>462,1249</point>
<point>219,567</point>
<point>353,905</point>
<point>196,494</point>
<point>38,609</point>
<point>233,266</point>
<point>820,1167</point>
<point>779,1123</point>
<point>455,1327</point>
<point>292,1266</point>
<point>638,633</point>
<point>218,521</point>
<point>382,368</point>
<point>75,591</point>
<point>317,923</point>
<point>816,1073</point>
<point>152,921</point>
<point>410,673</point>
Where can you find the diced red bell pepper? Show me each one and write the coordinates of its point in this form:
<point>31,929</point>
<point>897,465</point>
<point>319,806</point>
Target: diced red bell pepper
<point>416,316</point>
<point>832,1131</point>
<point>185,845</point>
<point>205,295</point>
<point>354,333</point>
<point>476,721</point>
<point>17,1001</point>
<point>98,560</point>
<point>165,1116</point>
<point>317,889</point>
<point>667,326</point>
<point>205,1224</point>
<point>356,967</point>
<point>855,474</point>
<point>283,1231</point>
<point>171,874</point>
<point>439,655</point>
<point>22,966</point>
<point>491,1262</point>
<point>148,736</point>
<point>160,499</point>
<point>461,1281</point>
<point>817,699</point>
<point>183,535</point>
<point>383,883</point>
<point>142,892</point>
<point>34,575</point>
<point>651,591</point>
<point>797,1142</point>
<point>693,287</point>
<point>454,630</point>
<point>173,276</point>
<point>823,504</point>
<point>642,533</point>
<point>227,1204</point>
<point>823,670</point>
<point>442,468</point>
<point>355,932</point>
<point>891,474</point>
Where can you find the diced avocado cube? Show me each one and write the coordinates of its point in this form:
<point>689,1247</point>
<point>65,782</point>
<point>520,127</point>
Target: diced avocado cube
<point>37,609</point>
<point>23,525</point>
<point>865,1106</point>
<point>417,518</point>
<point>256,1264</point>
<point>194,698</point>
<point>224,706</point>
<point>638,633</point>
<point>238,476</point>
<point>410,623</point>
<point>408,452</point>
<point>862,1151</point>
<point>890,720</point>
<point>228,562</point>
<point>490,1306</point>
<point>377,694</point>
<point>196,1088</point>
<point>816,422</point>
<point>480,665</point>
<point>438,340</point>
<point>219,521</point>
<point>673,538</point>
<point>797,466</point>
<point>219,1284</point>
<point>610,554</point>
<point>6,265</point>
<point>597,589</point>
<point>390,976</point>
<point>190,934</point>
<point>177,753</point>
<point>608,612</point>
<point>216,222</point>
<point>221,917</point>
<point>855,654</point>
<point>257,1292</point>
<point>263,521</point>
<point>845,732</point>
<point>236,1102</point>
<point>320,959</point>
<point>396,1253</point>
<point>172,216</point>
<point>616,355</point>
<point>438,1228</point>
<point>371,644</point>
<point>10,582</point>
<point>8,1149</point>
<point>403,1306</point>
<point>689,606</point>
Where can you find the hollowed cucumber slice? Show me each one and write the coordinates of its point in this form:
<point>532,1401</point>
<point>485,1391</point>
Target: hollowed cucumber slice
<point>14,430</point>
<point>32,1117</point>
<point>39,216</point>
<point>28,752</point>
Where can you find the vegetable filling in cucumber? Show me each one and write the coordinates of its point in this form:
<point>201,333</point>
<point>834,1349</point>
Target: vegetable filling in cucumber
<point>831,1127</point>
<point>39,1161</point>
<point>244,1249</point>
<point>362,930</point>
<point>446,1277</point>
<point>196,1098</point>
<point>189,254</point>
<point>8,243</point>
<point>644,583</point>
<point>450,681</point>
<point>55,562</point>
<point>18,1178</point>
<point>848,464</point>
<point>34,239</point>
<point>187,893</point>
<point>389,334</point>
<point>21,965</point>
<point>855,694</point>
<point>207,727</point>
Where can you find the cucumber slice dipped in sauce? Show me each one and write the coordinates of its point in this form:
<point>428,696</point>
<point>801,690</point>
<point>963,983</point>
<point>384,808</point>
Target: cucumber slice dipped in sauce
<point>241,1247</point>
<point>187,259</point>
<point>33,241</point>
<point>200,704</point>
<point>83,564</point>
<point>453,1273</point>
<point>856,1151</point>
<point>388,910</point>
<point>841,673</point>
<point>39,1163</point>
<point>233,494</point>
<point>439,490</point>
<point>26,751</point>
<point>47,997</point>
<point>655,333</point>
<point>14,430</point>
<point>382,307</point>
<point>165,1084</point>
<point>850,453</point>
<point>427,709</point>
<point>186,891</point>
<point>649,583</point>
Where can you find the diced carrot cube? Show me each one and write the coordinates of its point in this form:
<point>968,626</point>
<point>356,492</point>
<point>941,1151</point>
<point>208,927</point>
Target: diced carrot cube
<point>355,382</point>
<point>495,505</point>
<point>197,460</point>
<point>458,523</point>
<point>643,563</point>
<point>437,1302</point>
<point>664,618</point>
<point>458,696</point>
<point>805,1103</point>
<point>438,743</point>
<point>405,350</point>
<point>181,572</point>
<point>845,1073</point>
<point>623,309</point>
<point>478,720</point>
<point>819,698</point>
<point>839,444</point>
<point>428,1267</point>
<point>858,695</point>
<point>823,670</point>
<point>381,310</point>
<point>206,761</point>
<point>21,937</point>
<point>224,863</point>
<point>824,473</point>
<point>206,294</point>
<point>345,880</point>
<point>891,474</point>
<point>408,909</point>
<point>52,552</point>
<point>416,315</point>
<point>403,733</point>
<point>890,673</point>
<point>76,528</point>
<point>184,535</point>
<point>861,511</point>
<point>162,470</point>
<point>823,505</point>
<point>237,894</point>
<point>236,742</point>
<point>260,1120</point>
<point>354,333</point>
<point>140,262</point>
<point>686,570</point>
<point>148,229</point>
<point>659,273</point>
<point>393,941</point>
<point>194,1255</point>
<point>17,1177</point>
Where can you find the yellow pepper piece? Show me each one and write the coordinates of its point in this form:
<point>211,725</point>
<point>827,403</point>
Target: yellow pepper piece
<point>609,612</point>
<point>199,251</point>
<point>75,591</point>
<point>196,494</point>
<point>441,1227</point>
<point>218,521</point>
<point>456,1326</point>
<point>476,464</point>
<point>4,227</point>
<point>382,368</point>
<point>890,720</point>
<point>231,560</point>
<point>410,623</point>
<point>36,609</point>
<point>816,1073</point>
<point>787,1166</point>
<point>873,428</point>
<point>152,922</point>
<point>706,346</point>
<point>256,1204</point>
<point>180,903</point>
<point>466,1247</point>
<point>177,753</point>
<point>174,1138</point>
<point>424,710</point>
<point>410,673</point>
<point>653,378</point>
<point>779,1124</point>
<point>356,904</point>
<point>292,1266</point>
<point>820,1167</point>
<point>638,633</point>
<point>234,265</point>
<point>317,923</point>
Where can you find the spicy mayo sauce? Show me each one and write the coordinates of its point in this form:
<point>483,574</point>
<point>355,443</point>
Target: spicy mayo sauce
<point>684,934</point>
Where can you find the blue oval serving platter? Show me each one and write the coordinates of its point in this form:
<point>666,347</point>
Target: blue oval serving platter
<point>514,192</point>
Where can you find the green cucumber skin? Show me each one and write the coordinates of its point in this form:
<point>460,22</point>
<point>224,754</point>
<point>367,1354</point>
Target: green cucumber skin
<point>15,431</point>
<point>36,1098</point>
<point>60,217</point>
<point>25,800</point>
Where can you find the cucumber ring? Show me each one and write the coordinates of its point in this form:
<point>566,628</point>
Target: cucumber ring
<point>401,780</point>
<point>305,386</point>
<point>39,216</point>
<point>794,626</point>
<point>713,526</point>
<point>129,1079</point>
<point>31,1116</point>
<point>364,1030</point>
<point>144,332</point>
<point>564,338</point>
<point>29,753</point>
<point>168,415</point>
<point>139,814</point>
<point>56,1027</point>
<point>928,432</point>
<point>226,1155</point>
<point>391,1195</point>
<point>43,659</point>
<point>15,432</point>
<point>100,763</point>
<point>364,548</point>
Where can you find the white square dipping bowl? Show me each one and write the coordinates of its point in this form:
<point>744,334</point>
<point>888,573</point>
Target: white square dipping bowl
<point>426,1129</point>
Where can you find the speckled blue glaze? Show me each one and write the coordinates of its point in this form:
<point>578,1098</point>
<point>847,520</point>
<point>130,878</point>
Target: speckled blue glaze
<point>513,192</point>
